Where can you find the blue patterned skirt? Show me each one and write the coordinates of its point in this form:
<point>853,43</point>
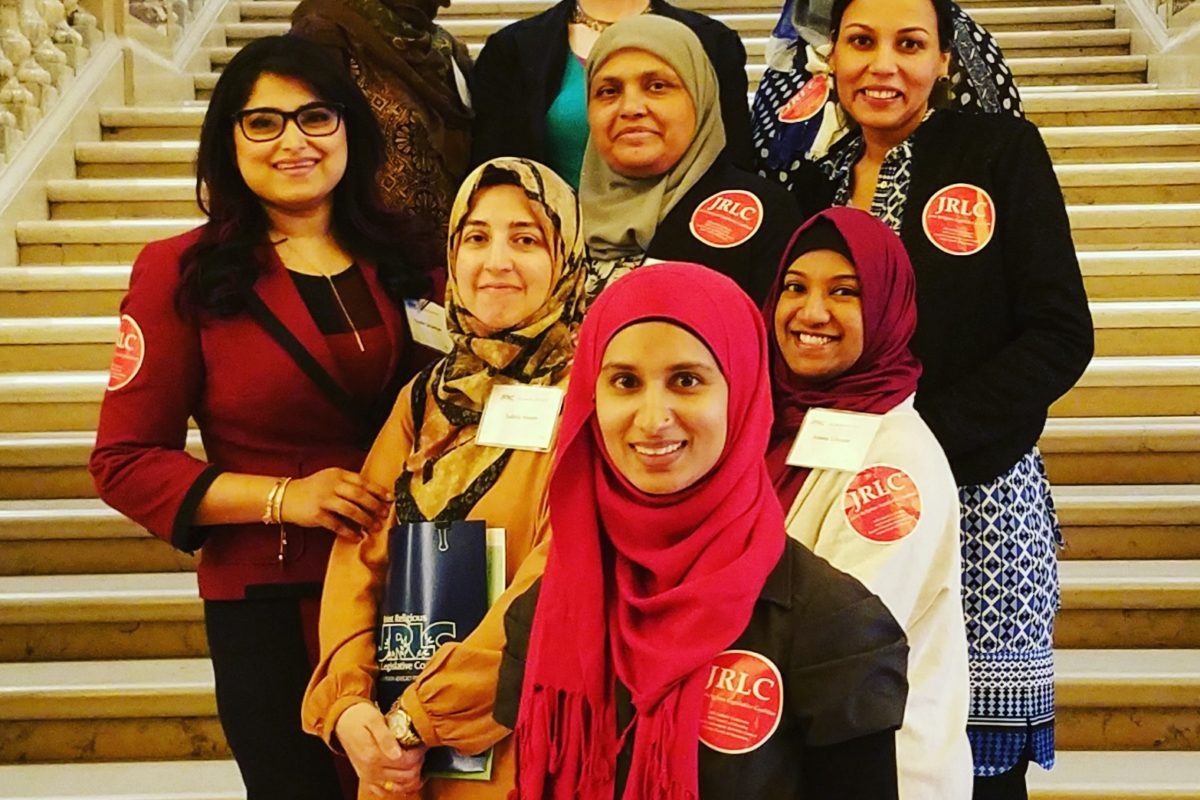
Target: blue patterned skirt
<point>1010,536</point>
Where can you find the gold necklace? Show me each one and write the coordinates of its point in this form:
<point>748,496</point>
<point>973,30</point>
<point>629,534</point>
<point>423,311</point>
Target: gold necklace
<point>336,294</point>
<point>581,17</point>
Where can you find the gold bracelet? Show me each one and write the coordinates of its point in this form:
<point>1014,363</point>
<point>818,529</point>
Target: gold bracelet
<point>268,515</point>
<point>279,518</point>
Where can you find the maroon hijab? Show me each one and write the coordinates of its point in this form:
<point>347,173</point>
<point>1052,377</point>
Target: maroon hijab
<point>885,374</point>
<point>641,588</point>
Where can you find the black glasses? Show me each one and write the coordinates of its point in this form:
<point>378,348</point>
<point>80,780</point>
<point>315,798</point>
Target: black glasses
<point>265,124</point>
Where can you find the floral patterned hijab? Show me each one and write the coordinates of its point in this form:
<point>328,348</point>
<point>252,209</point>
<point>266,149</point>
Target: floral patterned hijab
<point>447,471</point>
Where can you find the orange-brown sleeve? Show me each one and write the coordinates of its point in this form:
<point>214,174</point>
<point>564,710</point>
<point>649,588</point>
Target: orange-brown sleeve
<point>354,583</point>
<point>451,702</point>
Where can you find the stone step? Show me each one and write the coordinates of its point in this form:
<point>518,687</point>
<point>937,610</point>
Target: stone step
<point>1134,226</point>
<point>1098,184</point>
<point>39,465</point>
<point>82,617</point>
<point>1129,605</point>
<point>1099,106</point>
<point>1128,144</point>
<point>146,780</point>
<point>38,401</point>
<point>1106,699</point>
<point>1042,71</point>
<point>746,23</point>
<point>1017,44</point>
<point>1147,327</point>
<point>1136,775</point>
<point>100,198</point>
<point>1078,775</point>
<point>90,241</point>
<point>79,536</point>
<point>1162,274</point>
<point>1122,226</point>
<point>139,159</point>
<point>109,710</point>
<point>1131,386</point>
<point>1127,699</point>
<point>74,291</point>
<point>45,343</point>
<point>1129,522</point>
<point>1122,450</point>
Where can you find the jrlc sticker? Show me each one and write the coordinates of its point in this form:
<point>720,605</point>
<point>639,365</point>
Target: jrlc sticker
<point>960,219</point>
<point>882,503</point>
<point>129,354</point>
<point>742,704</point>
<point>427,324</point>
<point>727,218</point>
<point>807,102</point>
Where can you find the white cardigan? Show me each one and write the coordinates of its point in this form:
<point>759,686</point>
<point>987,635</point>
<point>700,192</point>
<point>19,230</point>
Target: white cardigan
<point>919,578</point>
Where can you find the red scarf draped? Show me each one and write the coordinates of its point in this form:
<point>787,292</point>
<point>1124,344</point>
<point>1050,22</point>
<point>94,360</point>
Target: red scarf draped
<point>885,374</point>
<point>639,588</point>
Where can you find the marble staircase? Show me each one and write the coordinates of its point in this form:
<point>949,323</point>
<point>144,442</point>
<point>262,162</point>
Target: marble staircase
<point>102,649</point>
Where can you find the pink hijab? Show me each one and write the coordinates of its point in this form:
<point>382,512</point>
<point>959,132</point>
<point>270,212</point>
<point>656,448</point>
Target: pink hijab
<point>640,588</point>
<point>885,374</point>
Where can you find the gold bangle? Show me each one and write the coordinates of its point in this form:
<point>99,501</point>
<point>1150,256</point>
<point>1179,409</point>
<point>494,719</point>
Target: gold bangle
<point>278,515</point>
<point>268,515</point>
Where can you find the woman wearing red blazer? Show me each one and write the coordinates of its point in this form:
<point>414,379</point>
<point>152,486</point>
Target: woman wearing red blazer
<point>277,327</point>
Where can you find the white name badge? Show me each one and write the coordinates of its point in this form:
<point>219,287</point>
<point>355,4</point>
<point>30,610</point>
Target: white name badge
<point>830,439</point>
<point>520,417</point>
<point>427,322</point>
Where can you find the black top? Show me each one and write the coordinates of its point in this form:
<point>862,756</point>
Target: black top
<point>519,73</point>
<point>1002,333</point>
<point>754,262</point>
<point>843,659</point>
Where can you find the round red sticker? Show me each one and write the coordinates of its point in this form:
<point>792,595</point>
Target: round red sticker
<point>743,702</point>
<point>128,355</point>
<point>807,102</point>
<point>882,503</point>
<point>727,218</point>
<point>960,219</point>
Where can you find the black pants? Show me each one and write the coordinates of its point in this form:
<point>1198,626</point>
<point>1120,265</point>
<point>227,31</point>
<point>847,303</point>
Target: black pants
<point>1005,786</point>
<point>262,666</point>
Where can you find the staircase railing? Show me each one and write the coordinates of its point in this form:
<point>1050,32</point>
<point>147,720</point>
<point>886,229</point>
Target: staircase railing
<point>46,46</point>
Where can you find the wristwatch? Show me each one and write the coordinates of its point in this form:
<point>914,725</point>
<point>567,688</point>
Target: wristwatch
<point>401,726</point>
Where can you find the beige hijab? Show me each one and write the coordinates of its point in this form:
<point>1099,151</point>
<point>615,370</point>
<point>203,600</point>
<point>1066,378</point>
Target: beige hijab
<point>620,214</point>
<point>447,472</point>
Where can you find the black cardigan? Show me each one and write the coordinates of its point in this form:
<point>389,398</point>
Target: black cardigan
<point>843,659</point>
<point>519,72</point>
<point>754,263</point>
<point>1002,333</point>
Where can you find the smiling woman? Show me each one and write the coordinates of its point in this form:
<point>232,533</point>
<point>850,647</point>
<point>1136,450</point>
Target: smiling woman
<point>656,184</point>
<point>277,327</point>
<point>673,604</point>
<point>514,302</point>
<point>1003,331</point>
<point>842,313</point>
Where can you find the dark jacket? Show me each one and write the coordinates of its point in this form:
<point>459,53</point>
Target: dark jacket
<point>752,263</point>
<point>1002,333</point>
<point>519,72</point>
<point>843,660</point>
<point>258,411</point>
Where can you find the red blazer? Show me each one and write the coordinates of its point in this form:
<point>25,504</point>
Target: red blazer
<point>258,411</point>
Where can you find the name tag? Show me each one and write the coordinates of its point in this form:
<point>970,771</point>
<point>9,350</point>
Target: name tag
<point>427,323</point>
<point>830,439</point>
<point>520,417</point>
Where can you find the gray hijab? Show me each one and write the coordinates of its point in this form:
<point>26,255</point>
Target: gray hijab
<point>620,214</point>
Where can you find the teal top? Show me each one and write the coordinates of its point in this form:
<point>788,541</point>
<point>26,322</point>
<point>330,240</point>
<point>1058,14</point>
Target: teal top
<point>567,125</point>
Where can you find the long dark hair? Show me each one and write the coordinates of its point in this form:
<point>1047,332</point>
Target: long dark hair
<point>941,8</point>
<point>219,269</point>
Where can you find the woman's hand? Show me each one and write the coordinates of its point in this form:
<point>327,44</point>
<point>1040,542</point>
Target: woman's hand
<point>384,767</point>
<point>337,499</point>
